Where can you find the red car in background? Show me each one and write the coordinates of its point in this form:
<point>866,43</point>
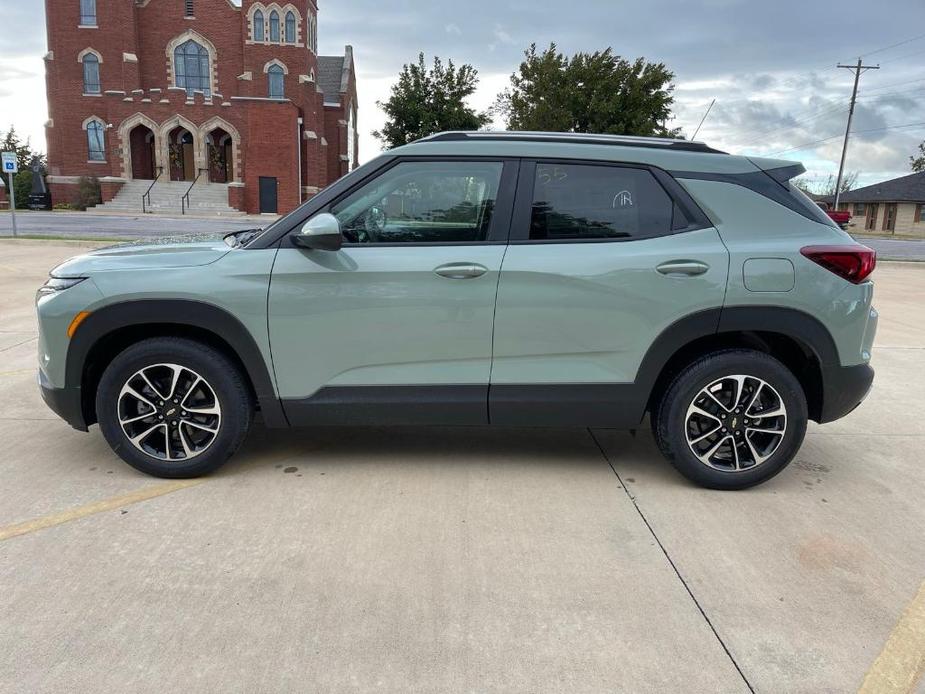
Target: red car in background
<point>840,217</point>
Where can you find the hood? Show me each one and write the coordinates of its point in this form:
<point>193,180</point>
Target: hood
<point>165,252</point>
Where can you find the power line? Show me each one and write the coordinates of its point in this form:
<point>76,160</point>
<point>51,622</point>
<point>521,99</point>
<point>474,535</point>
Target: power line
<point>795,125</point>
<point>906,92</point>
<point>894,45</point>
<point>891,84</point>
<point>854,132</point>
<point>903,57</point>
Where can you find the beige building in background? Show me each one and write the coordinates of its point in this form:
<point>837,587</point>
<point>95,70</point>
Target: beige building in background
<point>889,207</point>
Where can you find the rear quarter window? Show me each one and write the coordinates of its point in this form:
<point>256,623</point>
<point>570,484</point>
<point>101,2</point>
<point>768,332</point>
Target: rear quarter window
<point>586,202</point>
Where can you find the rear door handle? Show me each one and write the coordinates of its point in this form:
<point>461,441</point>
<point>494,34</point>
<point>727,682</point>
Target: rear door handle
<point>461,271</point>
<point>688,268</point>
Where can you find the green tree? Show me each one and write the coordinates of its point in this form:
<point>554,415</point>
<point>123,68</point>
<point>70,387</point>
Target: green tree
<point>21,183</point>
<point>425,101</point>
<point>590,92</point>
<point>918,163</point>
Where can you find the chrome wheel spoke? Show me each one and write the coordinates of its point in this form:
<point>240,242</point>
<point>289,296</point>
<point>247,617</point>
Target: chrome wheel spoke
<point>136,440</point>
<point>140,417</point>
<point>741,435</point>
<point>173,386</point>
<point>764,431</point>
<point>200,426</point>
<point>127,389</point>
<point>714,398</point>
<point>177,370</point>
<point>695,409</point>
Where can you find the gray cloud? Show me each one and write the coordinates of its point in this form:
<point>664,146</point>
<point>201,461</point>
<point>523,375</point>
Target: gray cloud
<point>771,66</point>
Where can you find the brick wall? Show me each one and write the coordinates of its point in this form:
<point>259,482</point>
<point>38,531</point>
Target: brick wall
<point>134,42</point>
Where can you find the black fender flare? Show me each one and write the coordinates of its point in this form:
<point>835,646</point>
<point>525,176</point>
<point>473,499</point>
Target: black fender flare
<point>186,312</point>
<point>793,323</point>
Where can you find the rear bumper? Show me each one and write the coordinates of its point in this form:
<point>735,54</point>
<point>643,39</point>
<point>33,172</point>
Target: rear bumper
<point>845,389</point>
<point>64,402</point>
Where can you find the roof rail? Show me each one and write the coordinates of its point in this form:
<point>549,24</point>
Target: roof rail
<point>571,138</point>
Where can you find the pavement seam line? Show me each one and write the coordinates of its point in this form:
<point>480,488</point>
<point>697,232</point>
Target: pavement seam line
<point>111,504</point>
<point>901,663</point>
<point>671,563</point>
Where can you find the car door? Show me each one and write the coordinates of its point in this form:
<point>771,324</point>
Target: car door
<point>603,260</point>
<point>396,327</point>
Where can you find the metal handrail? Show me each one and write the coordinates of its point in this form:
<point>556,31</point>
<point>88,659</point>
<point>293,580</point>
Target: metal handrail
<point>147,194</point>
<point>184,201</point>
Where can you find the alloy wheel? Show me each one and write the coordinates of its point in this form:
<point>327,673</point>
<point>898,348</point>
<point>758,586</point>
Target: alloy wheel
<point>169,412</point>
<point>735,423</point>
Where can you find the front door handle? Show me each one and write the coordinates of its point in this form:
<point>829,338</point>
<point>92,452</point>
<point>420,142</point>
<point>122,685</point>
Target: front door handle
<point>461,271</point>
<point>687,268</point>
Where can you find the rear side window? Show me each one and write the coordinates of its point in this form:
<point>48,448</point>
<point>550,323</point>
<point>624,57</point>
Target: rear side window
<point>580,202</point>
<point>811,209</point>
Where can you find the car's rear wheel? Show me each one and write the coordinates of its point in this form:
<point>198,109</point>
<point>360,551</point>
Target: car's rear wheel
<point>732,419</point>
<point>173,407</point>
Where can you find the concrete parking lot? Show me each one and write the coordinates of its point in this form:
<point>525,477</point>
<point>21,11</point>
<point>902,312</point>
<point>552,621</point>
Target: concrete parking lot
<point>469,559</point>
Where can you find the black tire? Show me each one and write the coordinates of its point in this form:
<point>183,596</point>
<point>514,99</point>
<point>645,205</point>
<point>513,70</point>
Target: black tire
<point>223,379</point>
<point>669,420</point>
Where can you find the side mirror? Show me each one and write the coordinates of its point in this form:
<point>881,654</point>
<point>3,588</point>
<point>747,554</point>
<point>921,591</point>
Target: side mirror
<point>321,232</point>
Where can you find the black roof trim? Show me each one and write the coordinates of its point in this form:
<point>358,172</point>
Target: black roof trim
<point>573,138</point>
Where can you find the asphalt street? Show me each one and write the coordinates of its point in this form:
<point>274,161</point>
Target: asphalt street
<point>99,226</point>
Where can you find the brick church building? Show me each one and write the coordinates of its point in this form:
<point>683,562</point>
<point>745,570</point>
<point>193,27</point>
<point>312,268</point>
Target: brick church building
<point>231,94</point>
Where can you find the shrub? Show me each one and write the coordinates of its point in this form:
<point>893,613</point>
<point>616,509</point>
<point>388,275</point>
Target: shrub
<point>88,193</point>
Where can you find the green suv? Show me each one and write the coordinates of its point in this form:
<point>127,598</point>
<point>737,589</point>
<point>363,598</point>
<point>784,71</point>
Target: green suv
<point>517,279</point>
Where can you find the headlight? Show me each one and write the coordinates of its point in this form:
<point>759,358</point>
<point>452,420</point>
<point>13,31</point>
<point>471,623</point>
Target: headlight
<point>57,284</point>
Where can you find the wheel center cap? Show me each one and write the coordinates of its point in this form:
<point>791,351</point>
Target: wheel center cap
<point>171,411</point>
<point>735,422</point>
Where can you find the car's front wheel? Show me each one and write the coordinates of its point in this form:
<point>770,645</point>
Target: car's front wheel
<point>173,407</point>
<point>732,419</point>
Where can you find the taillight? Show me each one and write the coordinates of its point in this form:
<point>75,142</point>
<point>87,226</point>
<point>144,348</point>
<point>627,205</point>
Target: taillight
<point>853,263</point>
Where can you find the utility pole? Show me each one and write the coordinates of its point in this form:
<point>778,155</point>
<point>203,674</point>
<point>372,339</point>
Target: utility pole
<point>858,69</point>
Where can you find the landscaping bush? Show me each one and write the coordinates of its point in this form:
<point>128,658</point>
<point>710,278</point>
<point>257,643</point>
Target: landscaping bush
<point>88,193</point>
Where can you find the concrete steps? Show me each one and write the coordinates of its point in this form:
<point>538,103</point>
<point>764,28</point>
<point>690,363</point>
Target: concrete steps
<point>205,199</point>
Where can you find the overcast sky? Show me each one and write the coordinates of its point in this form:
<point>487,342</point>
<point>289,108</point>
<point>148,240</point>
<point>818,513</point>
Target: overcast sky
<point>770,65</point>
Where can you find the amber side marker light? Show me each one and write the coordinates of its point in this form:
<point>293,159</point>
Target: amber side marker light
<point>78,319</point>
<point>852,262</point>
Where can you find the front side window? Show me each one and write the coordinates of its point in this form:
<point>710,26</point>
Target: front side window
<point>193,68</point>
<point>580,202</point>
<point>274,26</point>
<point>96,148</point>
<point>259,28</point>
<point>91,74</point>
<point>87,13</point>
<point>276,78</point>
<point>423,202</point>
<point>290,27</point>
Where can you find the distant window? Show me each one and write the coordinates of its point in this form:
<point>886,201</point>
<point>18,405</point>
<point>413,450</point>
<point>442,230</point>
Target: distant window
<point>290,27</point>
<point>189,8</point>
<point>259,27</point>
<point>860,208</point>
<point>87,13</point>
<point>274,26</point>
<point>91,74</point>
<point>192,68</point>
<point>276,78</point>
<point>572,201</point>
<point>96,148</point>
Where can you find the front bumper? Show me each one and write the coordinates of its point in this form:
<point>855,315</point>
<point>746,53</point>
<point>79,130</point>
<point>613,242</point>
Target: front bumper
<point>64,402</point>
<point>845,387</point>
